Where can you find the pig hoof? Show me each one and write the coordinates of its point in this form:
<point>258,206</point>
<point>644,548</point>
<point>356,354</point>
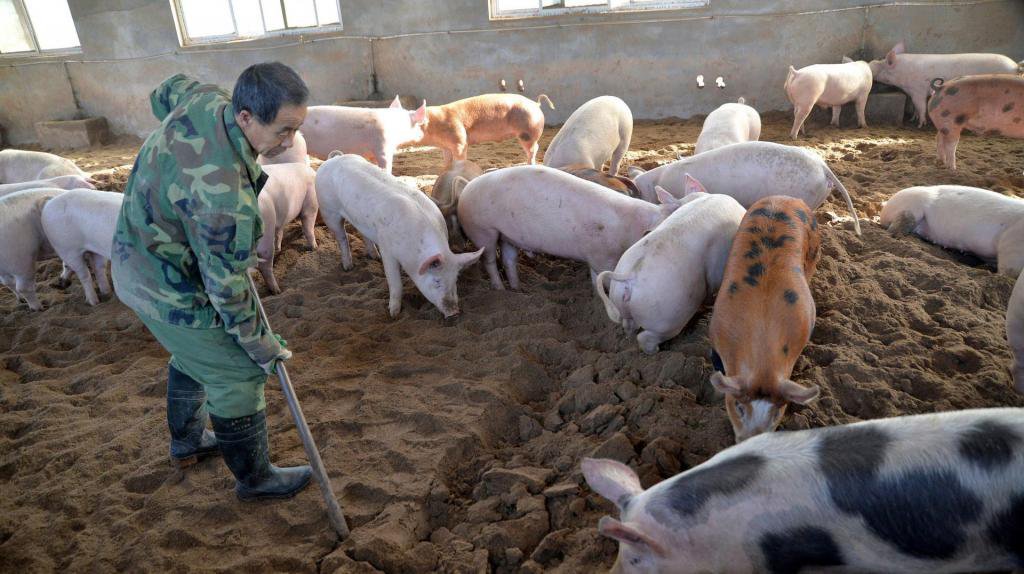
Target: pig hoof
<point>393,310</point>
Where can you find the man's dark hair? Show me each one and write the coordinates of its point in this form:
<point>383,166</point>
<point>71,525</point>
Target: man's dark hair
<point>263,88</point>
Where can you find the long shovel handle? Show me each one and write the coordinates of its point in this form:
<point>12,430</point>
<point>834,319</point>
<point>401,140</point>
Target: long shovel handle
<point>334,513</point>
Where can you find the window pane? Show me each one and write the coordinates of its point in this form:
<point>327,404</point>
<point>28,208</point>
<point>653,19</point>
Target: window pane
<point>53,25</point>
<point>300,13</point>
<point>207,18</point>
<point>327,10</point>
<point>272,16</point>
<point>574,3</point>
<point>247,17</point>
<point>13,36</point>
<point>506,5</point>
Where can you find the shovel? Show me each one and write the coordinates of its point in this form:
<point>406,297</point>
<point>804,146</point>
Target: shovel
<point>334,513</point>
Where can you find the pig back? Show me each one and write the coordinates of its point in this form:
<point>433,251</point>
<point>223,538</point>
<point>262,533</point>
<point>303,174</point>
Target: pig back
<point>590,135</point>
<point>349,130</point>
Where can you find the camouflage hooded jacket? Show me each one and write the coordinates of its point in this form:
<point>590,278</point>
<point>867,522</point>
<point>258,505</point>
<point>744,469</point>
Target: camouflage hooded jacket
<point>187,231</point>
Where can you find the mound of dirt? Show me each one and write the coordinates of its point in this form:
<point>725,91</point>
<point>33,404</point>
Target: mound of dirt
<point>454,445</point>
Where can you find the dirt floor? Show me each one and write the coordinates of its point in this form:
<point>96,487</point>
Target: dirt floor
<point>454,445</point>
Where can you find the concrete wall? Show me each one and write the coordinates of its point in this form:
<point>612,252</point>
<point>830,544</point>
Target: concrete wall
<point>443,51</point>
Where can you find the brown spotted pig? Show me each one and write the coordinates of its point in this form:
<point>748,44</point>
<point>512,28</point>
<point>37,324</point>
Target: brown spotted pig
<point>485,118</point>
<point>764,314</point>
<point>988,104</point>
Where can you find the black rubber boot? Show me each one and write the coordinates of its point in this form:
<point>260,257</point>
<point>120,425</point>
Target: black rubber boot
<point>243,442</point>
<point>186,419</point>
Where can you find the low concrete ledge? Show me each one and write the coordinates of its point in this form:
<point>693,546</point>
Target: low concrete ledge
<point>71,134</point>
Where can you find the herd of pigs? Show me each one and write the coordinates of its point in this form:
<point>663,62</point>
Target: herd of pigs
<point>938,492</point>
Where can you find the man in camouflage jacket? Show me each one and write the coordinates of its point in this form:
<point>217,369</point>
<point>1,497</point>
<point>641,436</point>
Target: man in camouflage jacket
<point>185,240</point>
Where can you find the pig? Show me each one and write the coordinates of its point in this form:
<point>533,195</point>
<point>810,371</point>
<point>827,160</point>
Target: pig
<point>297,153</point>
<point>404,222</point>
<point>662,280</point>
<point>1015,332</point>
<point>827,85</point>
<point>22,241</point>
<point>748,172</point>
<point>764,314</point>
<point>990,104</point>
<point>536,208</point>
<point>982,222</point>
<point>913,73</point>
<point>488,117</point>
<point>17,166</point>
<point>80,227</point>
<point>598,131</point>
<point>289,193</point>
<point>60,181</point>
<point>729,124</point>
<point>446,191</point>
<point>370,132</point>
<point>935,493</point>
<point>616,182</point>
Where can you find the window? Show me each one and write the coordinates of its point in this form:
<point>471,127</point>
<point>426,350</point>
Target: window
<point>529,8</point>
<point>205,21</point>
<point>39,26</point>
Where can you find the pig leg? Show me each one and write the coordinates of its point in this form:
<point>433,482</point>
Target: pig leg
<point>488,239</point>
<point>946,144</point>
<point>371,248</point>
<point>649,341</point>
<point>266,265</point>
<point>99,271</point>
<point>800,114</point>
<point>64,281</point>
<point>81,268</point>
<point>278,237</point>
<point>1010,250</point>
<point>862,103</point>
<point>509,255</point>
<point>393,274</point>
<point>308,218</point>
<point>386,161</point>
<point>918,99</point>
<point>836,110</point>
<point>25,287</point>
<point>337,227</point>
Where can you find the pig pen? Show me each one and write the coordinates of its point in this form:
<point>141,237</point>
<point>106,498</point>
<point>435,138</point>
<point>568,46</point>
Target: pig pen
<point>454,445</point>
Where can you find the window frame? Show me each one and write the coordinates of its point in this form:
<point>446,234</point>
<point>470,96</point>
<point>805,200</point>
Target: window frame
<point>608,8</point>
<point>185,41</point>
<point>26,24</point>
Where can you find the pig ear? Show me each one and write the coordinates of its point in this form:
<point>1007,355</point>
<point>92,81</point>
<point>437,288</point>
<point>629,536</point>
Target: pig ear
<point>691,185</point>
<point>335,153</point>
<point>420,115</point>
<point>611,479</point>
<point>899,48</point>
<point>630,534</point>
<point>634,191</point>
<point>664,197</point>
<point>726,385</point>
<point>847,59</point>
<point>396,103</point>
<point>890,58</point>
<point>433,261</point>
<point>797,393</point>
<point>466,259</point>
<point>633,171</point>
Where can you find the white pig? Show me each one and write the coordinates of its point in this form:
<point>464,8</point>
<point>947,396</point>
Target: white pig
<point>748,172</point>
<point>1015,332</point>
<point>932,493</point>
<point>406,225</point>
<point>539,209</point>
<point>661,281</point>
<point>18,165</point>
<point>80,227</point>
<point>913,73</point>
<point>988,224</point>
<point>289,193</point>
<point>597,131</point>
<point>22,241</point>
<point>827,85</point>
<point>729,124</point>
<point>370,132</point>
<point>60,181</point>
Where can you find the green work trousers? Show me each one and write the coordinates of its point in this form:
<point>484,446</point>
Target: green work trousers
<point>232,381</point>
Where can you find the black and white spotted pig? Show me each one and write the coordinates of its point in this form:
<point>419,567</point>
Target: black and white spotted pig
<point>926,493</point>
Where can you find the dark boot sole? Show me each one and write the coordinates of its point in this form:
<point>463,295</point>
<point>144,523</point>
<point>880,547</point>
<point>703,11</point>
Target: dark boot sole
<point>192,460</point>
